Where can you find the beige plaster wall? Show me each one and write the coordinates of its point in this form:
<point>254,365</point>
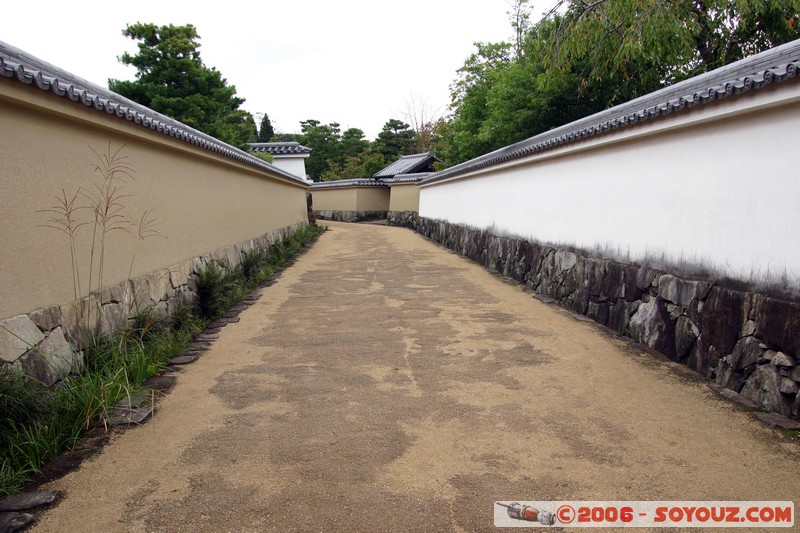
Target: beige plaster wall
<point>201,201</point>
<point>342,199</point>
<point>373,199</point>
<point>404,197</point>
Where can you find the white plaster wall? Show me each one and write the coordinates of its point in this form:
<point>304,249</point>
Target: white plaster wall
<point>292,165</point>
<point>719,187</point>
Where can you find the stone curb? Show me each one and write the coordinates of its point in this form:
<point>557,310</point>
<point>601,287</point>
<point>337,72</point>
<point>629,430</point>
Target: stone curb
<point>133,410</point>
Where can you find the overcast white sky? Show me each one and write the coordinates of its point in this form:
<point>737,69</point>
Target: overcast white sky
<point>357,62</point>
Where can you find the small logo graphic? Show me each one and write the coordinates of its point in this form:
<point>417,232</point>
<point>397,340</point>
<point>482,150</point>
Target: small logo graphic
<point>649,514</point>
<point>517,511</point>
<point>566,514</point>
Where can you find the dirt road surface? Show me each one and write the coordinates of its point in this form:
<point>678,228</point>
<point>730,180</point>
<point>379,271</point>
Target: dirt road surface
<point>384,384</point>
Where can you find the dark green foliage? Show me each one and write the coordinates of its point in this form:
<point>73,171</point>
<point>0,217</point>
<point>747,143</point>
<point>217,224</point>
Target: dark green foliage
<point>216,291</point>
<point>362,165</point>
<point>265,130</point>
<point>263,156</point>
<point>252,262</point>
<point>172,79</point>
<point>44,422</point>
<point>670,40</point>
<point>395,139</point>
<point>22,399</point>
<point>353,143</point>
<point>324,141</point>
<point>598,54</point>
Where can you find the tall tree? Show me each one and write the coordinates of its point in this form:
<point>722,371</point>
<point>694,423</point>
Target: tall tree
<point>668,39</point>
<point>172,79</point>
<point>353,143</point>
<point>362,165</point>
<point>520,17</point>
<point>424,121</point>
<point>395,139</point>
<point>469,100</point>
<point>597,54</point>
<point>324,141</point>
<point>265,131</point>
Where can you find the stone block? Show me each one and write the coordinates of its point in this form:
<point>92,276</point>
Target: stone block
<point>686,334</point>
<point>46,318</point>
<point>182,360</point>
<point>680,291</point>
<point>79,319</point>
<point>595,273</point>
<point>113,317</point>
<point>598,312</point>
<point>632,292</point>
<point>781,359</point>
<point>130,416</point>
<point>179,274</point>
<point>27,500</point>
<point>778,324</point>
<point>652,326</point>
<point>521,262</point>
<point>749,329</point>
<point>140,294</point>
<point>159,284</point>
<point>18,335</point>
<point>788,386</point>
<point>763,387</point>
<point>613,284</point>
<point>618,317</point>
<point>721,320</point>
<point>52,359</point>
<point>119,293</point>
<point>705,363</point>
<point>564,260</point>
<point>733,396</point>
<point>162,308</point>
<point>728,378</point>
<point>646,277</point>
<point>774,420</point>
<point>11,522</point>
<point>746,352</point>
<point>198,264</point>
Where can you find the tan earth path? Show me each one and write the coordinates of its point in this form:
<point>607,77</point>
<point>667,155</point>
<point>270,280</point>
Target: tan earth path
<point>384,384</point>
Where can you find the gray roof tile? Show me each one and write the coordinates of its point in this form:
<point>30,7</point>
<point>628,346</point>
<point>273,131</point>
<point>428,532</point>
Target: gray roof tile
<point>19,66</point>
<point>347,183</point>
<point>407,164</point>
<point>279,148</point>
<point>775,65</point>
<point>407,178</point>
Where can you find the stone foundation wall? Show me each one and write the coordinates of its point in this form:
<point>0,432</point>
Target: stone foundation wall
<point>350,216</point>
<point>46,343</point>
<point>744,341</point>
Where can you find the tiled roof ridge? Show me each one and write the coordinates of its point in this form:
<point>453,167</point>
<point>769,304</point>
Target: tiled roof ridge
<point>27,69</point>
<point>754,72</point>
<point>358,182</point>
<point>280,147</point>
<point>405,163</point>
<point>407,178</point>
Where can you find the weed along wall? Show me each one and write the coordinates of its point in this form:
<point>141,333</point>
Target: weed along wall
<point>174,197</point>
<point>685,181</point>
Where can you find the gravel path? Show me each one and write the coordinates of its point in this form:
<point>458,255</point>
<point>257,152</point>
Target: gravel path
<point>384,384</point>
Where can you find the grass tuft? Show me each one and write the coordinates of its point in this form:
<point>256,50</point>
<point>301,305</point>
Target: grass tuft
<point>39,422</point>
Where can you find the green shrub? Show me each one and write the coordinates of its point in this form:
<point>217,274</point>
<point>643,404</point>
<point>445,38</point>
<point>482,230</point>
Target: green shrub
<point>252,263</point>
